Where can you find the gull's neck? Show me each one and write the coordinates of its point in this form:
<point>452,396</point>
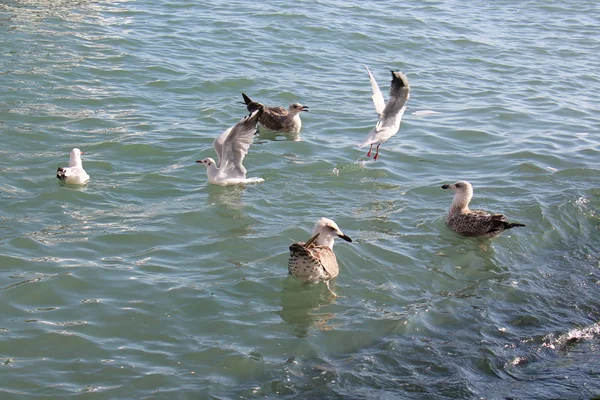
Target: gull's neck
<point>460,203</point>
<point>297,122</point>
<point>212,171</point>
<point>324,239</point>
<point>75,161</point>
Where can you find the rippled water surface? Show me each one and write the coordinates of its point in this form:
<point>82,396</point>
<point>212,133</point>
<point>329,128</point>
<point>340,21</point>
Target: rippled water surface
<point>150,283</point>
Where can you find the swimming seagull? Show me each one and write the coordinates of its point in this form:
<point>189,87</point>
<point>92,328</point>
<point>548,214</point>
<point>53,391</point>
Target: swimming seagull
<point>278,118</point>
<point>473,222</point>
<point>231,147</point>
<point>74,174</point>
<point>390,114</point>
<point>315,261</point>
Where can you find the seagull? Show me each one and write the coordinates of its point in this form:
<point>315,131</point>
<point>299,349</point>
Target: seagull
<point>278,118</point>
<point>390,114</point>
<point>74,174</point>
<point>231,147</point>
<point>473,222</point>
<point>315,261</point>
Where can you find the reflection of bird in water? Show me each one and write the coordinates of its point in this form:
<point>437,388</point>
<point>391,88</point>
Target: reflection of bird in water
<point>278,118</point>
<point>315,261</point>
<point>473,222</point>
<point>230,197</point>
<point>301,309</point>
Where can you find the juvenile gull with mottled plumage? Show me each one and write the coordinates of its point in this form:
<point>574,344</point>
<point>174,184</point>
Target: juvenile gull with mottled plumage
<point>315,261</point>
<point>473,222</point>
<point>278,118</point>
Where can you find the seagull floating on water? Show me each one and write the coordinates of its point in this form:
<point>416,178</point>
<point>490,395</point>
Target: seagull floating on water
<point>231,147</point>
<point>473,222</point>
<point>390,114</point>
<point>74,174</point>
<point>278,118</point>
<point>315,261</point>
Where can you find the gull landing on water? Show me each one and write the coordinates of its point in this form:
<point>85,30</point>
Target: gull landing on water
<point>473,222</point>
<point>278,118</point>
<point>315,261</point>
<point>74,174</point>
<point>390,114</point>
<point>231,147</point>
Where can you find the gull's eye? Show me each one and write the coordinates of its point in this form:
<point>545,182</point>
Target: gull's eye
<point>458,185</point>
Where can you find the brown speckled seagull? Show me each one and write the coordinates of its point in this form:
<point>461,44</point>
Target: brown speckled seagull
<point>278,118</point>
<point>315,261</point>
<point>473,222</point>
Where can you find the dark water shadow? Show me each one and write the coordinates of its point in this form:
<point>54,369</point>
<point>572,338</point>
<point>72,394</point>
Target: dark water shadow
<point>301,303</point>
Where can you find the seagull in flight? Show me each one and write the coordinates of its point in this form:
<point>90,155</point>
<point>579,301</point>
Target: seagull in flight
<point>390,114</point>
<point>231,147</point>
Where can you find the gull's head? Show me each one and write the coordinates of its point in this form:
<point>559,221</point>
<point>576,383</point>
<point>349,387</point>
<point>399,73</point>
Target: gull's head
<point>297,108</point>
<point>459,187</point>
<point>328,231</point>
<point>463,192</point>
<point>75,157</point>
<point>208,162</point>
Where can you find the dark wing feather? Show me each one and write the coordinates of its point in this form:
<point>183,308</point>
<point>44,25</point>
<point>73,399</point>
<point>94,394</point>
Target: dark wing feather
<point>399,94</point>
<point>479,223</point>
<point>251,105</point>
<point>274,118</point>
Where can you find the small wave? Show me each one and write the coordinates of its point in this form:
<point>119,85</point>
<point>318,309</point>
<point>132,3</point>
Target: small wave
<point>422,113</point>
<point>573,336</point>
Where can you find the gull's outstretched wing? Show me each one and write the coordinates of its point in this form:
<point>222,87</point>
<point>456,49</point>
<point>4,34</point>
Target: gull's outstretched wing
<point>234,144</point>
<point>399,94</point>
<point>218,145</point>
<point>378,100</point>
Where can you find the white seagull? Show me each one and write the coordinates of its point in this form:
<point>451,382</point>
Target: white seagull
<point>74,174</point>
<point>231,147</point>
<point>390,114</point>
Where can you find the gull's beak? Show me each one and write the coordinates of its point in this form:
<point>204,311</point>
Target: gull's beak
<point>200,161</point>
<point>82,152</point>
<point>305,108</point>
<point>445,186</point>
<point>345,237</point>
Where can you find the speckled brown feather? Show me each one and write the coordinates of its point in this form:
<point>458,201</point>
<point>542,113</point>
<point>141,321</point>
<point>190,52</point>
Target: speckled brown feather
<point>312,263</point>
<point>479,223</point>
<point>274,118</point>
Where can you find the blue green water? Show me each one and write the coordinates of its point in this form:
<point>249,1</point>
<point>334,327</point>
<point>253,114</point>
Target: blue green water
<point>150,283</point>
